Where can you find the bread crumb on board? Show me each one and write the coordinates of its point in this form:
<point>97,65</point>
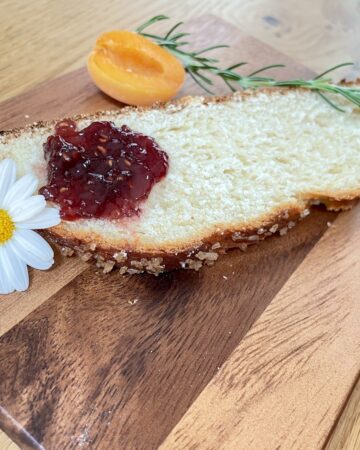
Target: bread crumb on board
<point>133,302</point>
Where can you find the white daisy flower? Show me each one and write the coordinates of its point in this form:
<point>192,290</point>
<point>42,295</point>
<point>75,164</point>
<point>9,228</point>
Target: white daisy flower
<point>20,212</point>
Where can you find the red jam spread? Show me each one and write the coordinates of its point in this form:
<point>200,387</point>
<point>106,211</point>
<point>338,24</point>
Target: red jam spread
<point>102,170</point>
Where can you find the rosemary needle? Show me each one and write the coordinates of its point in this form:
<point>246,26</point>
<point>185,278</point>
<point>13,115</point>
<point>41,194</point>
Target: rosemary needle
<point>199,67</point>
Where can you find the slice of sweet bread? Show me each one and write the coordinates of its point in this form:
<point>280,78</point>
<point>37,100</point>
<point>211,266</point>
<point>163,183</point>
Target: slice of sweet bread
<point>241,168</point>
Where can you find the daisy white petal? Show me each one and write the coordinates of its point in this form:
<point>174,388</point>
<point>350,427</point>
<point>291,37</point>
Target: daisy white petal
<point>20,212</point>
<point>47,218</point>
<point>15,269</point>
<point>5,285</point>
<point>27,208</point>
<point>37,262</point>
<point>7,177</point>
<point>23,188</point>
<point>34,244</point>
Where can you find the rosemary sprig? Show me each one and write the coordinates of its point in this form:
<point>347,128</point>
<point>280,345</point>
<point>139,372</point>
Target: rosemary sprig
<point>199,67</point>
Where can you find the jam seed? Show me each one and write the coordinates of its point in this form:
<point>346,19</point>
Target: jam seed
<point>62,124</point>
<point>90,178</point>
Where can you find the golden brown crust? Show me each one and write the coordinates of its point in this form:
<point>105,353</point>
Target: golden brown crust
<point>105,246</point>
<point>333,201</point>
<point>171,106</point>
<point>206,252</point>
<point>203,250</point>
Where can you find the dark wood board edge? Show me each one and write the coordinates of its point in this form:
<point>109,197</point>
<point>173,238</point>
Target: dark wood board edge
<point>17,432</point>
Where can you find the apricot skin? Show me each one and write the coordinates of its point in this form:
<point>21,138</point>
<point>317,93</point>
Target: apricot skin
<point>134,70</point>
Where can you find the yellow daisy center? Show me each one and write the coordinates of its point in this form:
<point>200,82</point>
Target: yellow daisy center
<point>7,227</point>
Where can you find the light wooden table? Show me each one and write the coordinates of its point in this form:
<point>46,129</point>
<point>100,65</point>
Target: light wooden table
<point>42,39</point>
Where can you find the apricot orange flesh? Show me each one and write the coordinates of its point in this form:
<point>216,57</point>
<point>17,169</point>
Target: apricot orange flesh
<point>134,70</point>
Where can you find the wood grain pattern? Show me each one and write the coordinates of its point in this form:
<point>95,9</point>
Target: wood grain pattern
<point>346,434</point>
<point>18,432</point>
<point>283,384</point>
<point>51,100</point>
<point>89,364</point>
<point>42,286</point>
<point>195,368</point>
<point>41,40</point>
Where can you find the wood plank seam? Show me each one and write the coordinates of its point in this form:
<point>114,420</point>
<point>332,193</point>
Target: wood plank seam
<point>229,387</point>
<point>330,441</point>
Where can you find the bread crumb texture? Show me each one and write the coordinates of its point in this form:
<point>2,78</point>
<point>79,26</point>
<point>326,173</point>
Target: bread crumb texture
<point>241,168</point>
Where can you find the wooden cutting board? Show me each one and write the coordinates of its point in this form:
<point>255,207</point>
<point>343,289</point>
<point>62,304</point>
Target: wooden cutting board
<point>260,351</point>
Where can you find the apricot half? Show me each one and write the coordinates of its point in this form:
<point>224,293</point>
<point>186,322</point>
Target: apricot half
<point>133,69</point>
